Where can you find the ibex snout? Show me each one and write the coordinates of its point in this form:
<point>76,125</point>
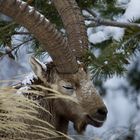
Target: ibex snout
<point>102,113</point>
<point>98,118</point>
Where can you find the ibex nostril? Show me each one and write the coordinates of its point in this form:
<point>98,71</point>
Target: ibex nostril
<point>102,111</point>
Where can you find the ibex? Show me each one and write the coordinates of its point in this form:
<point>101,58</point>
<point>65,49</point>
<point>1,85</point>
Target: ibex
<point>65,75</point>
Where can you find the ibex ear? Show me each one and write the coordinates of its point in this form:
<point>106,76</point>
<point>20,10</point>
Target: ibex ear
<point>39,68</point>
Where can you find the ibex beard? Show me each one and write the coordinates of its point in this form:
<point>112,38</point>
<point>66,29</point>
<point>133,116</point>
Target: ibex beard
<point>89,108</point>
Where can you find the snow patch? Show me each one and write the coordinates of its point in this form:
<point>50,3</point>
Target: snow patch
<point>29,79</point>
<point>98,37</point>
<point>104,33</point>
<point>132,11</point>
<point>22,89</point>
<point>42,64</point>
<point>31,9</point>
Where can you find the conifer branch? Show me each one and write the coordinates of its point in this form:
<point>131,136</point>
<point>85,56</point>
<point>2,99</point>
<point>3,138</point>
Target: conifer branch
<point>95,20</point>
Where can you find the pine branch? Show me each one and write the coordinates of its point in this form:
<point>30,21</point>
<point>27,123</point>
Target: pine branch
<point>7,26</point>
<point>91,12</point>
<point>100,21</point>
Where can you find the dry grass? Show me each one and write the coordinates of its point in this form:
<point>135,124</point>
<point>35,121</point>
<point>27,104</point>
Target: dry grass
<point>53,95</point>
<point>18,114</point>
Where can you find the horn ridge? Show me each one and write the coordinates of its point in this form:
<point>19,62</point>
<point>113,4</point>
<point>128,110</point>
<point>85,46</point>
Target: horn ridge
<point>51,39</point>
<point>74,24</point>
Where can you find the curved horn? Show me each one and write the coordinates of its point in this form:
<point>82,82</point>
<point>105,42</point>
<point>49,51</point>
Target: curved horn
<point>44,31</point>
<point>74,24</point>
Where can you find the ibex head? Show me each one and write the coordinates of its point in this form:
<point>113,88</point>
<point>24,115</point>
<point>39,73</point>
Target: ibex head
<point>89,108</point>
<point>68,77</point>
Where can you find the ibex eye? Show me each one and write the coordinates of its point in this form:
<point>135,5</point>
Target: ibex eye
<point>68,87</point>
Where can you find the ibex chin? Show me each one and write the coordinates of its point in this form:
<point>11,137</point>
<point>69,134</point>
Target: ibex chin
<point>65,74</point>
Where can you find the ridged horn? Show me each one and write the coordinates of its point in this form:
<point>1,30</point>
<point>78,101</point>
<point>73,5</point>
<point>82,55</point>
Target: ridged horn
<point>46,33</point>
<point>74,24</point>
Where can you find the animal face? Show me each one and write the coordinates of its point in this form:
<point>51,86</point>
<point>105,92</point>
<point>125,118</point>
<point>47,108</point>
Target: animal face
<point>89,108</point>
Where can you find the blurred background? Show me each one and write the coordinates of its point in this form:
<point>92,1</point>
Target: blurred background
<point>114,60</point>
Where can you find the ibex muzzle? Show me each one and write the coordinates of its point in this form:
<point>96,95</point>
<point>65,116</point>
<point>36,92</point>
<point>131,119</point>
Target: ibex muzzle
<point>89,108</point>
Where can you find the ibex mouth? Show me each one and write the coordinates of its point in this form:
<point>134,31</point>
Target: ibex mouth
<point>80,127</point>
<point>95,121</point>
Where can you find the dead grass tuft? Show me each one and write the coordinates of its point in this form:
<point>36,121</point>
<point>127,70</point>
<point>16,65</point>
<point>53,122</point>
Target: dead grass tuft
<point>18,114</point>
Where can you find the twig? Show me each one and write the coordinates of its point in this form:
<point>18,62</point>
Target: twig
<point>100,21</point>
<point>7,26</point>
<point>18,46</point>
<point>21,44</point>
<point>91,12</point>
<point>22,33</point>
<point>130,39</point>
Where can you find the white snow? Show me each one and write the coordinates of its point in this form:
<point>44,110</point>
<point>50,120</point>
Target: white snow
<point>23,3</point>
<point>22,89</point>
<point>24,51</point>
<point>42,64</point>
<point>49,2</point>
<point>133,10</point>
<point>106,62</point>
<point>29,79</point>
<point>31,9</point>
<point>48,59</point>
<point>98,37</point>
<point>122,3</point>
<point>104,33</point>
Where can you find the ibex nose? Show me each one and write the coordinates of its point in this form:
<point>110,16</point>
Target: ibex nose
<point>102,112</point>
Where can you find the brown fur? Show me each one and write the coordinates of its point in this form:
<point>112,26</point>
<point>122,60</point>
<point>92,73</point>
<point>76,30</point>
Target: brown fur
<point>65,110</point>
